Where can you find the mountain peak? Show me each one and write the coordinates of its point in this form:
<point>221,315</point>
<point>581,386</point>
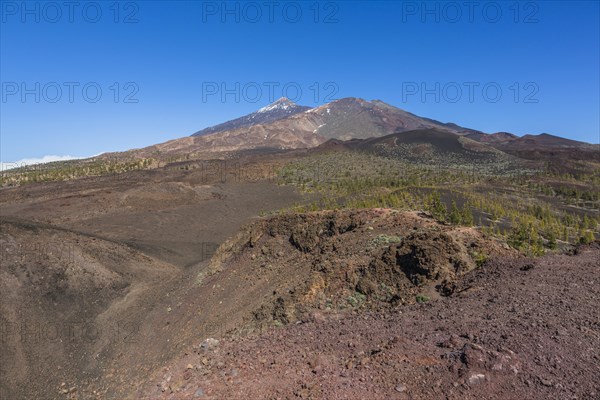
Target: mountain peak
<point>283,103</point>
<point>281,108</point>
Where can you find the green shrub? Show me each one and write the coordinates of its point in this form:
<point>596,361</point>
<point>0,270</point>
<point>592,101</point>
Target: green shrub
<point>356,299</point>
<point>422,298</point>
<point>480,258</point>
<point>586,237</point>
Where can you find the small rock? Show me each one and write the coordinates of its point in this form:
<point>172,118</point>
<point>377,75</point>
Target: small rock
<point>199,393</point>
<point>476,379</point>
<point>546,382</point>
<point>369,228</point>
<point>316,361</point>
<point>189,366</point>
<point>452,342</point>
<point>400,388</point>
<point>317,317</point>
<point>497,367</point>
<point>209,344</point>
<point>527,267</point>
<point>253,257</point>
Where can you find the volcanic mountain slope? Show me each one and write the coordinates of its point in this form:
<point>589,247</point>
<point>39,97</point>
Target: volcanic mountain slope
<point>280,109</point>
<point>432,147</point>
<point>289,128</point>
<point>498,137</point>
<point>280,270</point>
<point>285,125</point>
<point>87,267</point>
<point>547,141</point>
<point>106,314</point>
<point>540,147</point>
<point>353,118</point>
<point>68,301</point>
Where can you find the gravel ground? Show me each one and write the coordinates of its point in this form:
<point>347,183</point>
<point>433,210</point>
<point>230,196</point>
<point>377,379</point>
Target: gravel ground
<point>516,328</point>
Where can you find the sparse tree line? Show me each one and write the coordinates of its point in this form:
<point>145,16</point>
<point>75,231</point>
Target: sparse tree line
<point>63,171</point>
<point>514,212</point>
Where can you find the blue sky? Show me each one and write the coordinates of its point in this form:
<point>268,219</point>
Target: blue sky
<point>526,67</point>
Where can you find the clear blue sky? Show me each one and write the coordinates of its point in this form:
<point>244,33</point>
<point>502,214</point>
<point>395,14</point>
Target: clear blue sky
<point>170,55</point>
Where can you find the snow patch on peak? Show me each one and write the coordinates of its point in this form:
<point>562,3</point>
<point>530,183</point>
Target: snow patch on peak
<point>281,104</point>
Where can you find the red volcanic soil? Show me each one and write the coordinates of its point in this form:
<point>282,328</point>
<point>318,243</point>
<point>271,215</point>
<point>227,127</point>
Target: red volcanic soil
<point>516,328</point>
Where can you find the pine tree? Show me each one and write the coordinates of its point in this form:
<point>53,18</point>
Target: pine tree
<point>466,216</point>
<point>455,216</point>
<point>586,237</point>
<point>551,240</point>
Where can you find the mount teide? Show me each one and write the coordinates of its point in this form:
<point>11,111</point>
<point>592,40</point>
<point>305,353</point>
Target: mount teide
<point>344,119</point>
<point>284,125</point>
